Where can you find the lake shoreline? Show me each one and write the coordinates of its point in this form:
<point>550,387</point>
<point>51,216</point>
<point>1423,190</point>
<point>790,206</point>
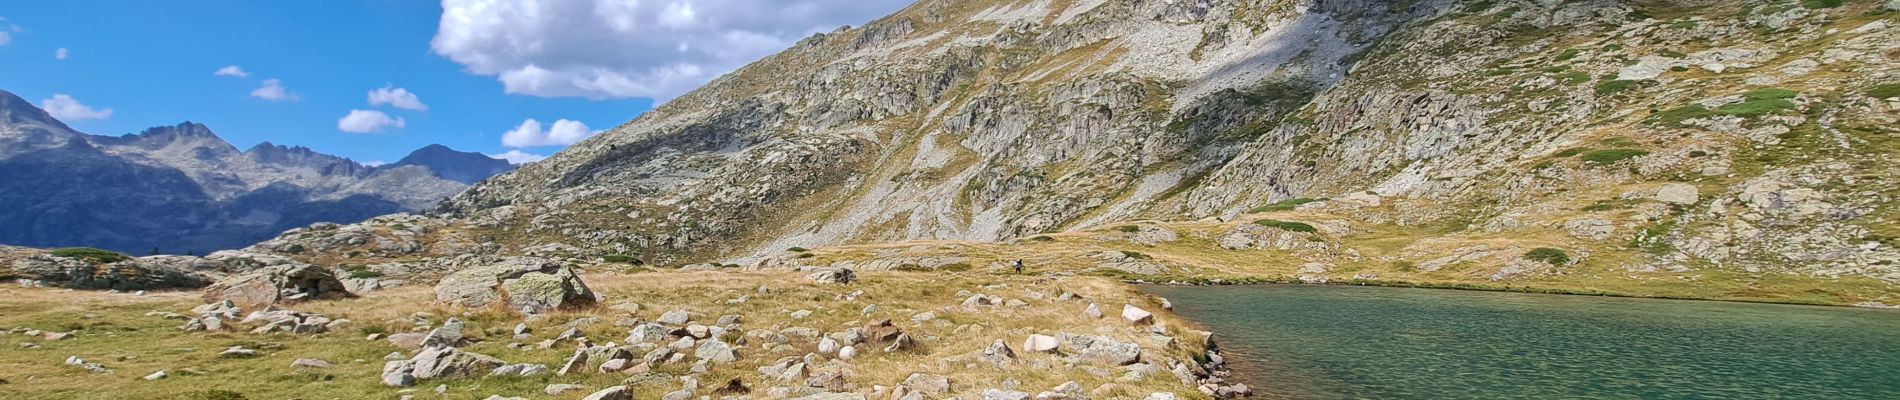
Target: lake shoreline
<point>1259,281</point>
<point>1314,341</point>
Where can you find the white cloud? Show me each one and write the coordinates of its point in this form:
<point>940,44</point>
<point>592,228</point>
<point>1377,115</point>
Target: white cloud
<point>4,36</point>
<point>59,54</point>
<point>273,90</point>
<point>231,70</point>
<point>374,164</point>
<point>625,48</point>
<point>560,133</point>
<point>396,97</point>
<point>518,157</point>
<point>66,108</point>
<point>367,121</point>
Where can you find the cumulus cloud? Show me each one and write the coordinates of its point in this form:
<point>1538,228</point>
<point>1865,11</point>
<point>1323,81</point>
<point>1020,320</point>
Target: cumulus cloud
<point>518,157</point>
<point>374,164</point>
<point>273,90</point>
<point>59,54</point>
<point>603,49</point>
<point>396,97</point>
<point>67,108</point>
<point>560,133</point>
<point>367,121</point>
<point>231,70</point>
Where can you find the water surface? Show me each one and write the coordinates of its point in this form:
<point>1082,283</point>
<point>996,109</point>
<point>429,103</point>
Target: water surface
<point>1338,342</point>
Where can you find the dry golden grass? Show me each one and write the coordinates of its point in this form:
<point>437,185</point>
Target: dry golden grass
<point>112,329</point>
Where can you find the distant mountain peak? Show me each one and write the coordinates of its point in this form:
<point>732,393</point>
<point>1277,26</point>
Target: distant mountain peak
<point>16,110</point>
<point>459,166</point>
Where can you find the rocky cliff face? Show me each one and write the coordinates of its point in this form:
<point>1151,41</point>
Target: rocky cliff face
<point>1681,135</point>
<point>183,189</point>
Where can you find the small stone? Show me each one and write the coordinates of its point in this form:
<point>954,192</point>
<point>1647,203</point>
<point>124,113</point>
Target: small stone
<point>309,363</point>
<point>237,352</point>
<point>675,317</point>
<point>612,393</point>
<point>847,352</point>
<point>156,376</point>
<point>1093,311</point>
<point>559,388</point>
<point>997,394</point>
<point>1040,343</point>
<point>927,383</point>
<point>1136,315</point>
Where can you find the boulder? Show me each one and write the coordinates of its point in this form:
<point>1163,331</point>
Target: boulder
<point>1101,349</point>
<point>1678,193</point>
<point>525,284</point>
<point>927,383</point>
<point>438,362</point>
<point>277,285</point>
<point>129,275</point>
<point>612,393</point>
<point>833,276</point>
<point>1136,315</point>
<point>1040,343</point>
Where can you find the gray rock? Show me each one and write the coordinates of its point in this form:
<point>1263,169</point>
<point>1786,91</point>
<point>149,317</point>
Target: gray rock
<point>676,317</point>
<point>559,388</point>
<point>997,394</point>
<point>529,285</point>
<point>716,351</point>
<point>612,393</point>
<point>833,276</point>
<point>927,383</point>
<point>277,285</point>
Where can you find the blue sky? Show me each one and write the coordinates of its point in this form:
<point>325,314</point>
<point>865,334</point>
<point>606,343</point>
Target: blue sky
<point>482,73</point>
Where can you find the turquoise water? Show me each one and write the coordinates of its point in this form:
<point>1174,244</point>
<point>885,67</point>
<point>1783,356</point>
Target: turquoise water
<point>1339,342</point>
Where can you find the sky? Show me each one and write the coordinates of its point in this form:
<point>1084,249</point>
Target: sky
<point>375,79</point>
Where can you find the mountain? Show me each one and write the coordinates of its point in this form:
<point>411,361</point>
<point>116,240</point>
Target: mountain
<point>182,189</point>
<point>464,167</point>
<point>1681,143</point>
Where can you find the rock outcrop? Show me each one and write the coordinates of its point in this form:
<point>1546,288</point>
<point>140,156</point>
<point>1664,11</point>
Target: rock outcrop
<point>523,284</point>
<point>277,284</point>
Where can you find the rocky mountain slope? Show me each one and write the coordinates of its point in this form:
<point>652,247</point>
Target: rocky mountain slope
<point>182,189</point>
<point>1450,140</point>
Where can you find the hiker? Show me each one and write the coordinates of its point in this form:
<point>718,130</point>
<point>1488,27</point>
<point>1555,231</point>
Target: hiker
<point>1019,265</point>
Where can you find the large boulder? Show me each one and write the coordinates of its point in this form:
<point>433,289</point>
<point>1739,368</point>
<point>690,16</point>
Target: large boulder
<point>276,285</point>
<point>525,284</point>
<point>126,275</point>
<point>438,363</point>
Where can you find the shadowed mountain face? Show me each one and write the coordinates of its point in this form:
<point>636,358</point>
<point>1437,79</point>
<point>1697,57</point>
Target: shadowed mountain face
<point>455,165</point>
<point>182,189</point>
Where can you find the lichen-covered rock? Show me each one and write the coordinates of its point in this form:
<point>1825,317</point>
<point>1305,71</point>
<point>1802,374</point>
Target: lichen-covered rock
<point>133,274</point>
<point>277,284</point>
<point>523,284</point>
<point>833,276</point>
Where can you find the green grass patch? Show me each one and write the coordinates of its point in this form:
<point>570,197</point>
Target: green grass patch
<point>796,249</point>
<point>1886,91</point>
<point>1574,77</point>
<point>1770,94</point>
<point>1756,108</point>
<point>1820,4</point>
<point>1569,54</point>
<point>1135,254</point>
<point>1287,225</point>
<point>1614,86</point>
<point>1570,152</point>
<point>1548,255</point>
<point>1284,205</point>
<point>92,255</point>
<point>1128,228</point>
<point>1612,156</point>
